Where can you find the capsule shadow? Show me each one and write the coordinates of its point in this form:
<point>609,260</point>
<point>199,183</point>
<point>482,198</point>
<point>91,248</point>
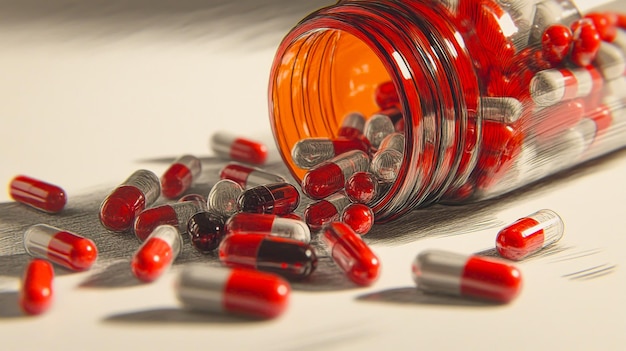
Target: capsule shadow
<point>413,296</point>
<point>14,265</point>
<point>9,305</point>
<point>114,275</point>
<point>326,277</point>
<point>177,316</point>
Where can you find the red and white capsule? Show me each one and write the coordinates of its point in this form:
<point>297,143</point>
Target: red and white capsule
<point>551,86</point>
<point>352,126</point>
<point>64,248</point>
<point>529,234</point>
<point>139,191</point>
<point>157,253</point>
<point>175,214</point>
<point>317,214</point>
<point>387,161</point>
<point>222,198</point>
<point>37,194</point>
<point>351,254</point>
<point>232,291</point>
<point>268,224</point>
<point>377,127</point>
<point>249,177</point>
<point>329,177</point>
<point>180,175</point>
<point>36,291</point>
<point>232,147</point>
<point>436,271</point>
<point>308,153</point>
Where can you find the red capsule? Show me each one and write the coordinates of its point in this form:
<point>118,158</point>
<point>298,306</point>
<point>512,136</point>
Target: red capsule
<point>157,253</point>
<point>605,23</point>
<point>36,291</point>
<point>586,42</point>
<point>180,175</point>
<point>237,291</point>
<point>386,95</point>
<point>329,177</point>
<point>206,230</point>
<point>277,198</point>
<point>176,214</point>
<point>140,190</point>
<point>362,187</point>
<point>556,43</point>
<point>287,257</point>
<point>38,194</point>
<point>351,253</point>
<point>66,249</point>
<point>359,217</point>
<point>249,177</point>
<point>450,273</point>
<point>268,224</point>
<point>317,214</point>
<point>529,234</point>
<point>229,146</point>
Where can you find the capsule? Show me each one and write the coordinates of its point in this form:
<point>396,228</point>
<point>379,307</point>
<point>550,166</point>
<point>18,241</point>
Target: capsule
<point>555,119</point>
<point>329,177</point>
<point>206,230</point>
<point>268,224</point>
<point>556,43</point>
<point>605,23</point>
<point>66,249</point>
<point>359,217</point>
<point>249,177</point>
<point>437,271</point>
<point>377,128</point>
<point>551,86</point>
<point>175,214</point>
<point>501,109</point>
<point>37,287</point>
<point>362,187</point>
<point>278,198</point>
<point>180,175</point>
<point>529,234</point>
<point>610,61</point>
<point>198,199</point>
<point>351,254</point>
<point>222,198</point>
<point>232,291</point>
<point>229,146</point>
<point>308,153</point>
<point>38,194</point>
<point>317,214</point>
<point>157,253</point>
<point>289,258</point>
<point>139,191</point>
<point>387,161</point>
<point>586,42</point>
<point>352,126</point>
<point>386,95</point>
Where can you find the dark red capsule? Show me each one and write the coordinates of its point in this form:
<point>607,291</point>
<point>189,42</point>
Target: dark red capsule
<point>206,230</point>
<point>277,198</point>
<point>38,194</point>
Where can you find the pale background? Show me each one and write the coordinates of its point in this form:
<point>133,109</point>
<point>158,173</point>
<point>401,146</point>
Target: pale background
<point>93,90</point>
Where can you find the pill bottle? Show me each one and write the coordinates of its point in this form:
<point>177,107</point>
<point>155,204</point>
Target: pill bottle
<point>488,104</point>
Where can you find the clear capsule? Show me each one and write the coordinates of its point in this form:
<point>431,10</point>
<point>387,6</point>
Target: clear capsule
<point>37,194</point>
<point>157,253</point>
<point>206,231</point>
<point>36,291</point>
<point>268,224</point>
<point>387,161</point>
<point>233,291</point>
<point>308,153</point>
<point>64,248</point>
<point>180,175</point>
<point>139,191</point>
<point>377,127</point>
<point>222,198</point>
<point>351,253</point>
<point>317,214</point>
<point>352,126</point>
<point>175,214</point>
<point>278,198</point>
<point>436,271</point>
<point>529,234</point>
<point>249,177</point>
<point>329,177</point>
<point>551,86</point>
<point>229,146</point>
<point>362,187</point>
<point>359,217</point>
<point>289,258</point>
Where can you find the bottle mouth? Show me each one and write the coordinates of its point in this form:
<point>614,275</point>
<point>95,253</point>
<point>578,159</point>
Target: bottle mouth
<point>326,69</point>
